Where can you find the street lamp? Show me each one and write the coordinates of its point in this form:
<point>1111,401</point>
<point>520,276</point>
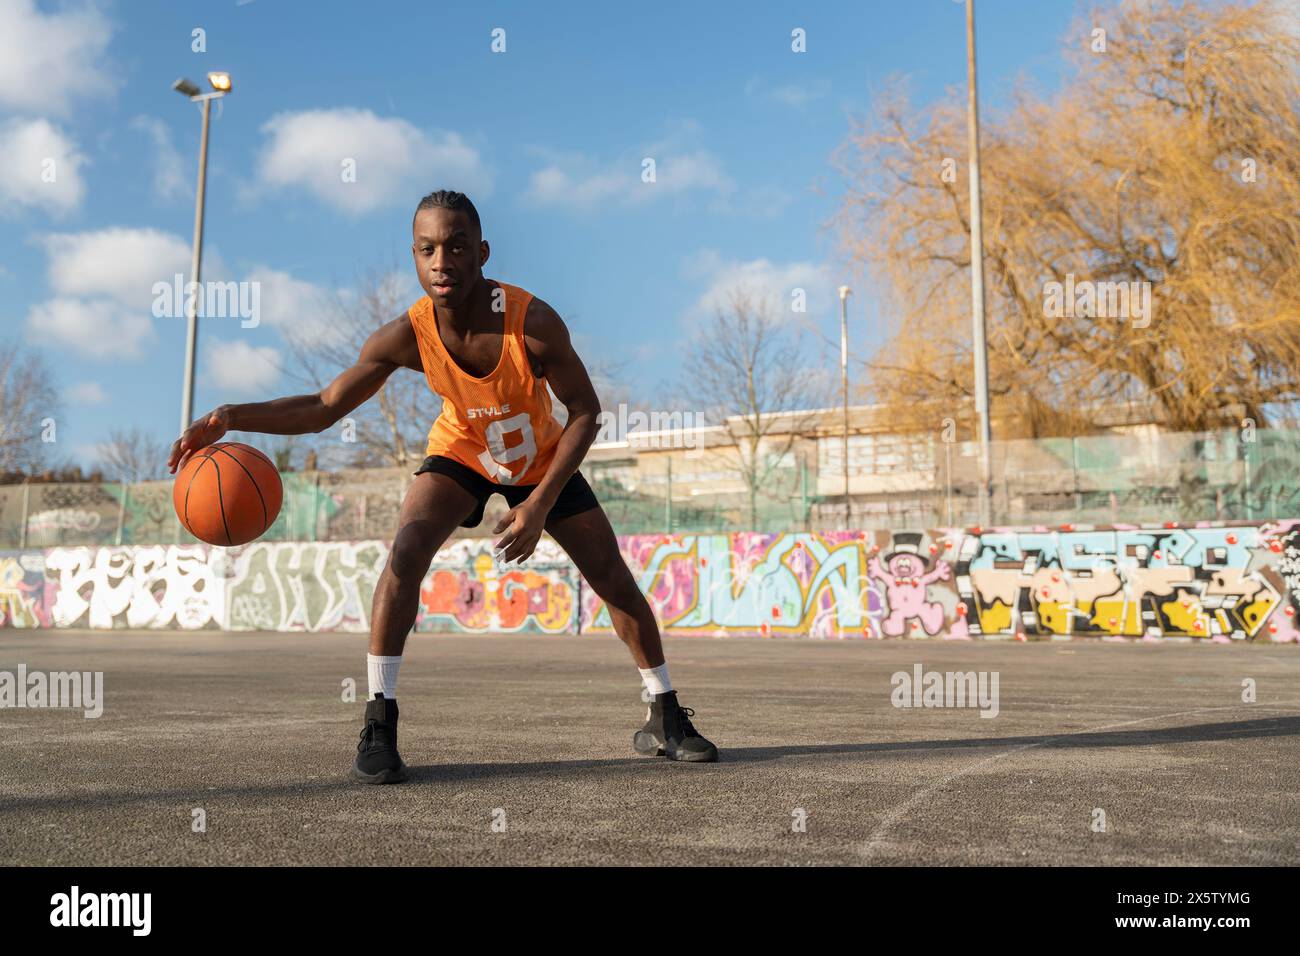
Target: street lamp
<point>844,385</point>
<point>220,83</point>
<point>978,342</point>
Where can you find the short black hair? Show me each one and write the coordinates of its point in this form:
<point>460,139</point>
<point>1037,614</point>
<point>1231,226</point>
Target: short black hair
<point>449,199</point>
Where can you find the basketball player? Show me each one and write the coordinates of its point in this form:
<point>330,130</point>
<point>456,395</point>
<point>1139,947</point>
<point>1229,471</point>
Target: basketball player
<point>489,349</point>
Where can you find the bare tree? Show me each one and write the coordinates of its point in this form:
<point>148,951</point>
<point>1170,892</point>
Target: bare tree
<point>29,407</point>
<point>745,371</point>
<point>1168,163</point>
<point>608,377</point>
<point>390,429</point>
<point>132,455</point>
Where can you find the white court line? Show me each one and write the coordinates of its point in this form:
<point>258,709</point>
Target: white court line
<point>907,805</point>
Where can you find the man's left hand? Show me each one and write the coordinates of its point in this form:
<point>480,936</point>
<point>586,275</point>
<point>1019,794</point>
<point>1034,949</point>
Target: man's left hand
<point>523,525</point>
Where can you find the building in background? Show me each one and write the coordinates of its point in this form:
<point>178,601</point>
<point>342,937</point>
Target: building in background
<point>695,478</point>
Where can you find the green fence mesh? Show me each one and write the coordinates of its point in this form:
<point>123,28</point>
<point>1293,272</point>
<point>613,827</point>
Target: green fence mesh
<point>1141,478</point>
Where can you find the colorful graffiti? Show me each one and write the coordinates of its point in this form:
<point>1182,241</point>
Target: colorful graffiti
<point>22,590</point>
<point>316,586</point>
<point>276,586</point>
<point>907,576</point>
<point>1220,583</point>
<point>769,583</point>
<point>1239,582</point>
<point>822,585</point>
<point>1204,582</point>
<point>157,586</point>
<point>465,591</point>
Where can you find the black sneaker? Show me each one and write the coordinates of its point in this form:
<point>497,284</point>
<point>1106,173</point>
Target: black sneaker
<point>377,758</point>
<point>668,733</point>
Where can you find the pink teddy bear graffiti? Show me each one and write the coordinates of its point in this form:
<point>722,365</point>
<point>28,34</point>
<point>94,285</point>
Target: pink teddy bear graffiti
<point>906,581</point>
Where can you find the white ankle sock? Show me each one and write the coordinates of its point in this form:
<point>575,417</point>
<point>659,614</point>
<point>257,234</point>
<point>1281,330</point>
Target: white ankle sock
<point>382,673</point>
<point>655,679</point>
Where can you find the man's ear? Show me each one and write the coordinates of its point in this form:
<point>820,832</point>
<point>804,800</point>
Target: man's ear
<point>484,253</point>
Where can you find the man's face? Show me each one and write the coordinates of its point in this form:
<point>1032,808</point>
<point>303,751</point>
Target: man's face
<point>449,255</point>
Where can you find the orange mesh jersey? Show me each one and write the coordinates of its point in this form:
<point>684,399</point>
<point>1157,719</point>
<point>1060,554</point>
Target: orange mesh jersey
<point>500,425</point>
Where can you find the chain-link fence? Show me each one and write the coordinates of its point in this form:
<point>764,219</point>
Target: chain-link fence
<point>1146,477</point>
<point>1142,478</point>
<point>351,505</point>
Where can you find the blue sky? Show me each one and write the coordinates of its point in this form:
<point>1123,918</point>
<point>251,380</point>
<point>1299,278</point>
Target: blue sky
<point>547,137</point>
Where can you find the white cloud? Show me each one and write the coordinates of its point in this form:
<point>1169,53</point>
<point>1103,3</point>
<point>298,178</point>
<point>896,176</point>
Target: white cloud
<point>102,283</point>
<point>794,95</point>
<point>288,301</point>
<point>773,282</point>
<point>122,264</point>
<point>87,393</point>
<point>575,180</point>
<point>555,185</point>
<point>309,313</point>
<point>394,160</point>
<point>299,310</point>
<point>169,180</point>
<point>698,170</point>
<point>96,328</point>
<point>48,59</point>
<point>39,166</point>
<point>240,368</point>
<point>800,96</point>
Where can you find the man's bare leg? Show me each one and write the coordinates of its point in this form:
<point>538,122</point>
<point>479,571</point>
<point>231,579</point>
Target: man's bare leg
<point>590,542</point>
<point>434,506</point>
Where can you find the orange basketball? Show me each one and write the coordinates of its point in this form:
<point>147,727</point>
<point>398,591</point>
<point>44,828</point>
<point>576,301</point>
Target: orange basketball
<point>227,494</point>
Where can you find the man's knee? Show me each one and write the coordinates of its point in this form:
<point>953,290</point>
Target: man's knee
<point>413,549</point>
<point>614,584</point>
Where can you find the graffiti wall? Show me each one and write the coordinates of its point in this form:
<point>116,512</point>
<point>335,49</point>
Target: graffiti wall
<point>277,586</point>
<point>465,591</point>
<point>1239,582</point>
<point>22,590</point>
<point>1221,583</point>
<point>157,586</point>
<point>1205,582</point>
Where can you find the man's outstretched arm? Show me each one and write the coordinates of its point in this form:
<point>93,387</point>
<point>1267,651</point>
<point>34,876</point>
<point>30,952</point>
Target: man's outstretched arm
<point>387,348</point>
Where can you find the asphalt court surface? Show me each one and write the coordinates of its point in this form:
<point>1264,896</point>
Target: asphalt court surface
<point>520,753</point>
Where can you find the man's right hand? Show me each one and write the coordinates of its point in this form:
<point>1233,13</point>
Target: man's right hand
<point>205,430</point>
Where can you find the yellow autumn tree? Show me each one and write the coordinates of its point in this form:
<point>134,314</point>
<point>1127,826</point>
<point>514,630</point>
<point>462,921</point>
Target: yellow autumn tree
<point>1168,163</point>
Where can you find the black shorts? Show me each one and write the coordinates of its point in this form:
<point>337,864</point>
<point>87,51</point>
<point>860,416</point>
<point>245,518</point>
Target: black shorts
<point>575,497</point>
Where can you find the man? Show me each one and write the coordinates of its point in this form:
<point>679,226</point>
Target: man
<point>489,350</point>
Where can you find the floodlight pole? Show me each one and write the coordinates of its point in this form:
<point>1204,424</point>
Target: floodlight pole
<point>979,343</point>
<point>844,386</point>
<point>196,265</point>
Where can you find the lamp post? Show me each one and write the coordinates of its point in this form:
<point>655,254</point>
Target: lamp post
<point>844,386</point>
<point>220,83</point>
<point>980,346</point>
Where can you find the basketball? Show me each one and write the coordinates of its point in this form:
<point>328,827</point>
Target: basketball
<point>227,494</point>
